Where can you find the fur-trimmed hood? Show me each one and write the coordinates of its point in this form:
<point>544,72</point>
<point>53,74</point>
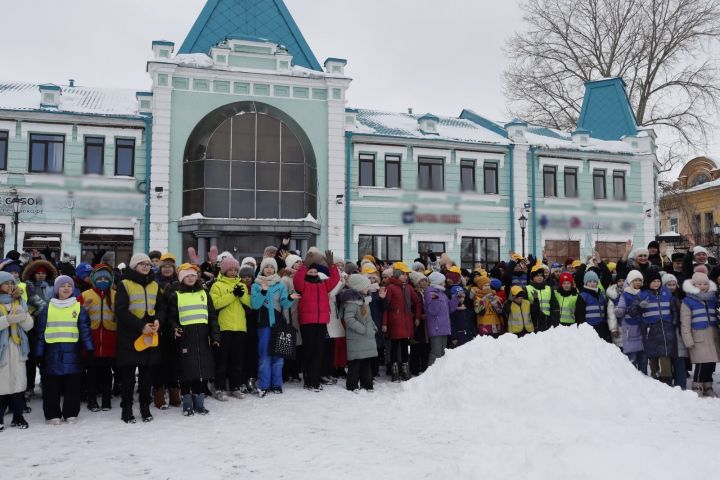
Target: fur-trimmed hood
<point>692,291</point>
<point>612,292</point>
<point>350,295</point>
<point>32,267</point>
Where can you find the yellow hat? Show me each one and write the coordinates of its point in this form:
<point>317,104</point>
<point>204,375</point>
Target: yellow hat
<point>481,271</point>
<point>517,257</point>
<point>368,268</point>
<point>454,269</point>
<point>576,263</point>
<point>612,266</point>
<point>536,267</point>
<point>168,256</point>
<point>188,266</point>
<point>401,266</point>
<point>368,258</point>
<point>516,290</point>
<point>144,342</point>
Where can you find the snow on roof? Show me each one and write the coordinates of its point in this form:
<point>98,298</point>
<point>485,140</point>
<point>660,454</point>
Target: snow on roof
<point>560,140</point>
<point>406,125</point>
<point>86,100</point>
<point>703,186</point>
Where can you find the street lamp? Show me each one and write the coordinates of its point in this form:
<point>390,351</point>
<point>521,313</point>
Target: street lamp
<point>523,224</point>
<point>716,231</point>
<point>16,219</point>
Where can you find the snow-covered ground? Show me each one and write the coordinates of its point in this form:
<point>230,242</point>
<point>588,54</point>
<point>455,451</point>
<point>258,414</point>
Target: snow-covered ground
<point>560,405</point>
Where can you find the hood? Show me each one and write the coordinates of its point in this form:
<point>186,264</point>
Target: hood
<point>34,265</point>
<point>693,291</point>
<point>612,292</point>
<point>350,295</point>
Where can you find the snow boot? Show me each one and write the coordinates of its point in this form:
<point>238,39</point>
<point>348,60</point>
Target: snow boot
<point>395,372</point>
<point>175,397</point>
<point>708,390</point>
<point>106,403</point>
<point>697,387</point>
<point>92,404</point>
<point>221,396</point>
<point>145,413</point>
<point>159,399</point>
<point>405,372</point>
<point>237,393</point>
<point>18,421</point>
<point>127,415</point>
<point>187,405</point>
<point>199,404</point>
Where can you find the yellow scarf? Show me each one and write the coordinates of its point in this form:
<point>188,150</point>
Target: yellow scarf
<point>13,326</point>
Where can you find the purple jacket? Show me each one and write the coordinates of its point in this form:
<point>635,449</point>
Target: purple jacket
<point>437,311</point>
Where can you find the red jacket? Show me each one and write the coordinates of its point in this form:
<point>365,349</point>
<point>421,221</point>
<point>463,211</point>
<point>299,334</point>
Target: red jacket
<point>399,320</point>
<point>314,305</point>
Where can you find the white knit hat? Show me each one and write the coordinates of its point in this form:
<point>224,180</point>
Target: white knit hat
<point>358,282</point>
<point>291,260</point>
<point>268,261</point>
<point>669,277</point>
<point>437,279</point>
<point>697,250</point>
<point>633,275</point>
<point>138,258</point>
<point>248,261</point>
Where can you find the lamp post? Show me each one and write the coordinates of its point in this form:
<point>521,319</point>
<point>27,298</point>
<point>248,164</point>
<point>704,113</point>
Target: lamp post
<point>16,217</point>
<point>523,224</point>
<point>716,231</point>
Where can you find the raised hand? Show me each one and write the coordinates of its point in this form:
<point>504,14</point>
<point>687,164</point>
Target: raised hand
<point>628,246</point>
<point>663,248</point>
<point>193,256</point>
<point>329,257</point>
<point>691,242</point>
<point>213,254</point>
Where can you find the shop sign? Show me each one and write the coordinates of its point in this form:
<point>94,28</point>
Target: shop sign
<point>576,223</point>
<point>415,217</point>
<point>28,205</point>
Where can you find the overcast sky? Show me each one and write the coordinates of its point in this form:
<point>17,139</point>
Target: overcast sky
<point>437,57</point>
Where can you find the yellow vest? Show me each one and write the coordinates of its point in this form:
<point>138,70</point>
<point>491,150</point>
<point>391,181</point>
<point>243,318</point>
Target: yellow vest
<point>519,318</point>
<point>62,324</point>
<point>567,308</point>
<point>192,308</point>
<point>99,311</point>
<point>542,295</point>
<point>24,290</point>
<point>142,299</point>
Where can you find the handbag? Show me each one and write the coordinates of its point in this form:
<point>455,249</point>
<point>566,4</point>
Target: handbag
<point>283,339</point>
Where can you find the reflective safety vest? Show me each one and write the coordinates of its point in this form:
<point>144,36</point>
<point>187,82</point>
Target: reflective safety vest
<point>629,299</point>
<point>659,308</point>
<point>98,310</point>
<point>142,298</point>
<point>594,308</point>
<point>567,307</point>
<point>519,318</point>
<point>62,324</point>
<point>23,286</point>
<point>543,296</point>
<point>192,308</point>
<point>704,313</point>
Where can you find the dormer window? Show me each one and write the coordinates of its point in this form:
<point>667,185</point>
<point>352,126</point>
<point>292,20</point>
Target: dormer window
<point>335,66</point>
<point>162,49</point>
<point>50,95</point>
<point>428,124</point>
<point>581,136</point>
<point>700,179</point>
<point>245,52</point>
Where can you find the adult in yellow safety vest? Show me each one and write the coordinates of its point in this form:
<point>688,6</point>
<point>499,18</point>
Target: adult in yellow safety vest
<point>193,319</point>
<point>63,332</point>
<point>517,312</point>
<point>136,301</point>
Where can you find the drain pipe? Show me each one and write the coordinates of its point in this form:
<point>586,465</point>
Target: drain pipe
<point>148,163</point>
<point>348,162</point>
<point>511,156</point>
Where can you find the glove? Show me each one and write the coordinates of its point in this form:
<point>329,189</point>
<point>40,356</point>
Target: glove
<point>239,290</point>
<point>644,304</point>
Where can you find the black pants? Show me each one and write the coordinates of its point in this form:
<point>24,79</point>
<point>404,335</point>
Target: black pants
<point>99,378</point>
<point>419,358</point>
<point>195,387</point>
<point>16,401</point>
<point>65,386</point>
<point>704,372</point>
<point>399,350</point>
<point>293,367</point>
<point>360,370</point>
<point>376,361</point>
<point>313,337</point>
<point>127,385</point>
<point>166,374</point>
<point>31,362</point>
<point>229,360</point>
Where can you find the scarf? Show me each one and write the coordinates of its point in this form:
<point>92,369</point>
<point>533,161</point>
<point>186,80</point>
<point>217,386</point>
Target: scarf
<point>272,279</point>
<point>6,301</point>
<point>68,302</point>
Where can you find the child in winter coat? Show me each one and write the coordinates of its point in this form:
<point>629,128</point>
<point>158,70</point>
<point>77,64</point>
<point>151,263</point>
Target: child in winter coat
<point>401,317</point>
<point>542,299</point>
<point>630,321</point>
<point>192,317</point>
<point>360,332</point>
<point>566,298</point>
<point>614,293</point>
<point>517,313</point>
<point>591,306</point>
<point>488,307</point>
<point>462,319</point>
<point>655,307</point>
<point>269,298</point>
<point>680,371</point>
<point>437,315</point>
<point>377,307</point>
<point>98,302</point>
<point>63,332</point>
<point>699,328</point>
<point>15,322</point>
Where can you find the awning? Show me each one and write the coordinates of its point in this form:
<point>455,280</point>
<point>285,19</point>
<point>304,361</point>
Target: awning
<point>103,235</point>
<point>41,240</point>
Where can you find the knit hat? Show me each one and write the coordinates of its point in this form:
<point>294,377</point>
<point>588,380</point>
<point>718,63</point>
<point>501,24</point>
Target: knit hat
<point>351,268</point>
<point>416,277</point>
<point>13,255</point>
<point>388,272</point>
<point>13,267</point>
<point>358,282</point>
<point>246,271</point>
<point>496,284</point>
<point>155,254</point>
<point>6,277</point>
<point>268,261</point>
<point>453,277</point>
<point>677,257</point>
<point>138,258</point>
<point>697,250</point>
<point>566,277</point>
<point>456,289</point>
<point>83,270</point>
<point>291,260</point>
<point>639,251</point>
<point>437,279</point>
<point>699,277</point>
<point>101,271</point>
<point>590,277</point>
<point>633,275</point>
<point>669,277</point>
<point>60,281</point>
<point>481,281</point>
<point>418,266</point>
<point>651,275</point>
<point>249,261</point>
<point>654,244</point>
<point>229,263</point>
<point>187,269</point>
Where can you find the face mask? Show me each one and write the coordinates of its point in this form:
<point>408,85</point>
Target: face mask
<point>102,284</point>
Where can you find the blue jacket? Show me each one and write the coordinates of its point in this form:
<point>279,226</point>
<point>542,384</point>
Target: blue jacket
<point>63,358</point>
<point>268,300</point>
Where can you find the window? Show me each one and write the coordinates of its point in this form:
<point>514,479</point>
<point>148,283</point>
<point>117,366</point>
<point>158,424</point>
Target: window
<point>94,155</point>
<point>385,247</point>
<point>392,171</point>
<point>124,157</point>
<point>47,153</point>
<point>549,181</point>
<point>559,250</point>
<point>674,225</point>
<point>467,175</point>
<point>474,250</point>
<point>709,222</point>
<point>431,174</point>
<point>438,248</point>
<point>618,185</point>
<point>599,185</point>
<point>571,183</point>
<point>609,251</point>
<point>700,179</point>
<point>367,170</point>
<point>490,177</point>
<point>3,150</point>
<point>696,225</point>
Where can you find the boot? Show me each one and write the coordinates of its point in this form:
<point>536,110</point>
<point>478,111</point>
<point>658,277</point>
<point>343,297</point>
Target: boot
<point>697,387</point>
<point>405,372</point>
<point>175,398</point>
<point>708,390</point>
<point>187,405</point>
<point>92,404</point>
<point>199,404</point>
<point>106,402</point>
<point>18,421</point>
<point>159,398</point>
<point>395,373</point>
<point>145,413</point>
<point>127,415</point>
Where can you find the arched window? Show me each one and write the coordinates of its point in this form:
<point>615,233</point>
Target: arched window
<point>700,179</point>
<point>249,160</point>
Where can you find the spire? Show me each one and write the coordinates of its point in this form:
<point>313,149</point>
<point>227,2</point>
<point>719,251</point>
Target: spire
<point>606,110</point>
<point>266,19</point>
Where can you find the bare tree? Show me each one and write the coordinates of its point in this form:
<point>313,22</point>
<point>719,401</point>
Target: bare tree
<point>659,48</point>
